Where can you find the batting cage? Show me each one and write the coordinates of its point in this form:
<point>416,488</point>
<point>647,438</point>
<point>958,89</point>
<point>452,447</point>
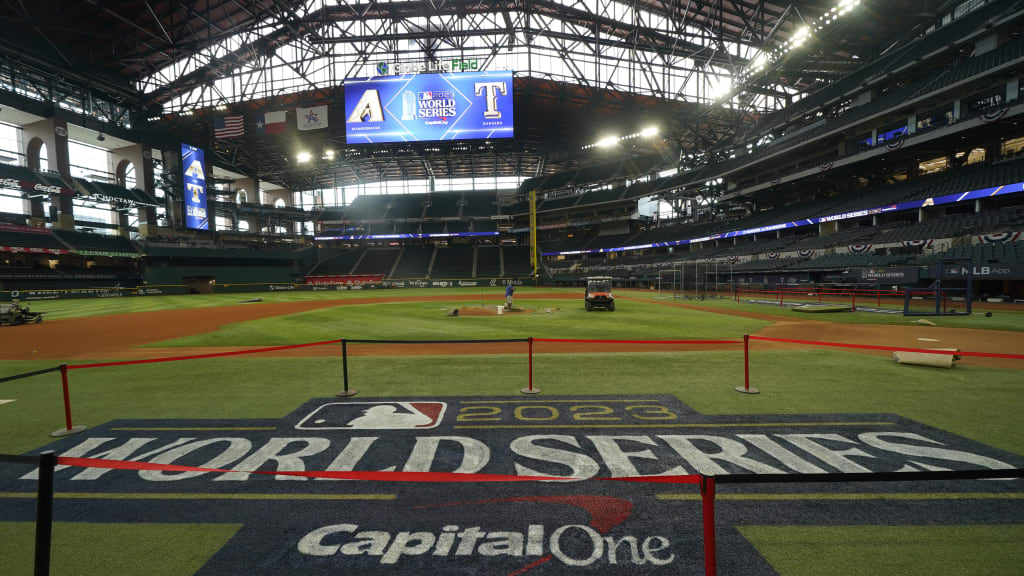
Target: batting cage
<point>950,295</point>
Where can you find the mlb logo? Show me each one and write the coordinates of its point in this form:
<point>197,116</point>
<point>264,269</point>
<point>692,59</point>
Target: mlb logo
<point>426,95</point>
<point>375,416</point>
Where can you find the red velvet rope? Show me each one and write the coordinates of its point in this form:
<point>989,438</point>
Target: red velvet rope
<point>373,476</point>
<point>891,348</point>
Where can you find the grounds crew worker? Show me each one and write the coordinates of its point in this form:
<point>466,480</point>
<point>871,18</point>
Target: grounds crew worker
<point>508,295</point>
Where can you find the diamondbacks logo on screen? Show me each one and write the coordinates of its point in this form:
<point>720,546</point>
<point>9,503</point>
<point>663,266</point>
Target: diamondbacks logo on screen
<point>374,416</point>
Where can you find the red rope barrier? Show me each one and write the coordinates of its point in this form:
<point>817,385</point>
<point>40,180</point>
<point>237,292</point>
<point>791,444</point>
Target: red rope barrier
<point>638,341</point>
<point>373,476</point>
<point>891,348</point>
<point>200,356</point>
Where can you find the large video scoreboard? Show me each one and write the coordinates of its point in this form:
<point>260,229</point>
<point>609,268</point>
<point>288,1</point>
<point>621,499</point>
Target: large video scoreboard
<point>429,107</point>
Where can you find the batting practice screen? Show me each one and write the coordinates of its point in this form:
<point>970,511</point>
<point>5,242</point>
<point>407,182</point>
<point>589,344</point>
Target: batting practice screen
<point>429,107</point>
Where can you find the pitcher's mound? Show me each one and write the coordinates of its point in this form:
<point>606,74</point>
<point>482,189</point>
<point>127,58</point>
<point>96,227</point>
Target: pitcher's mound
<point>489,311</point>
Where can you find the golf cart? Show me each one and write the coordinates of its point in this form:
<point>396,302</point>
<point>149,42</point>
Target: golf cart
<point>599,294</point>
<point>14,314</point>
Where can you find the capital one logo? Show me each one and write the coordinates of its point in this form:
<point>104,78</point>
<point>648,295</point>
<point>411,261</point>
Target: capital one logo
<point>576,545</point>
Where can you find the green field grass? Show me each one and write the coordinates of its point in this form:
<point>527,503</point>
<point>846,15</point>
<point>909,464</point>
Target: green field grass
<point>103,549</point>
<point>57,309</point>
<point>979,403</point>
<point>872,550</point>
<point>1012,320</point>
<point>429,320</point>
<point>983,404</point>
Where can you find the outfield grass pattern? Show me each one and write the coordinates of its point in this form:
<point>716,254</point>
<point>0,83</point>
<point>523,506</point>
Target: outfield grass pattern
<point>429,321</point>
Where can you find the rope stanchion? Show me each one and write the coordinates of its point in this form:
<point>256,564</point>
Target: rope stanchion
<point>345,393</point>
<point>891,348</point>
<point>44,514</point>
<point>746,389</point>
<point>68,429</point>
<point>530,389</point>
<point>707,499</point>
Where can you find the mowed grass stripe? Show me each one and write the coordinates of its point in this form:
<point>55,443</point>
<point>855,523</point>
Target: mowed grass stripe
<point>198,496</point>
<point>855,496</point>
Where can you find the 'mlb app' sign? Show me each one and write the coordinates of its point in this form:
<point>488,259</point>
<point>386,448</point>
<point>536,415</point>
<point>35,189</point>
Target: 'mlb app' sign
<point>429,107</point>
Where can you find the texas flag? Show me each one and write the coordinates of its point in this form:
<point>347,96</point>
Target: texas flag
<point>272,123</point>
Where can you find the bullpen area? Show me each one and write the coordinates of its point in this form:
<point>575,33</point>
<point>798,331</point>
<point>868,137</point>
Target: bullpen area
<point>377,432</point>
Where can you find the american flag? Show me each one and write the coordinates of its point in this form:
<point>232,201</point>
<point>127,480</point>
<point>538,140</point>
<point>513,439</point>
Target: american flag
<point>229,126</point>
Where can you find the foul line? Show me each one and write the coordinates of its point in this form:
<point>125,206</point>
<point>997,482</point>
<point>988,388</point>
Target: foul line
<point>856,496</point>
<point>200,496</point>
<point>188,429</point>
<point>687,425</point>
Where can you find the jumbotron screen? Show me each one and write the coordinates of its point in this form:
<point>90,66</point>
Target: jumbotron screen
<point>429,107</point>
<point>194,172</point>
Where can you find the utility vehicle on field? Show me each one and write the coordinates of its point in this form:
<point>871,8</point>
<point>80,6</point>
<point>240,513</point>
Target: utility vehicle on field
<point>14,314</point>
<point>599,294</point>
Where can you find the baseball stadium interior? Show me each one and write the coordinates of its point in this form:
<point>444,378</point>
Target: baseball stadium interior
<point>633,202</point>
<point>816,159</point>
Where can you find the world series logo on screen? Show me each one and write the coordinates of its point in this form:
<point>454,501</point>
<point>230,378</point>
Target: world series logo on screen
<point>429,107</point>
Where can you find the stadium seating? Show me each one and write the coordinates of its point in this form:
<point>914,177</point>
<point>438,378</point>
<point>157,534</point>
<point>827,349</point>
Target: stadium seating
<point>488,262</point>
<point>453,262</point>
<point>31,240</point>
<point>341,262</point>
<point>443,205</point>
<point>479,205</point>
<point>377,261</point>
<point>408,206</point>
<point>414,262</point>
<point>82,241</point>
<point>368,208</point>
<point>517,261</point>
<point>599,196</point>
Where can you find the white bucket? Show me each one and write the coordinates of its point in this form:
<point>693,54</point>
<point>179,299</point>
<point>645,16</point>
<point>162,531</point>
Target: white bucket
<point>501,309</point>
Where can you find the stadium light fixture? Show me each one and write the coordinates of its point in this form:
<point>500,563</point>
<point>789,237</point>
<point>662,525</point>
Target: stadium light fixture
<point>649,131</point>
<point>303,157</point>
<point>720,87</point>
<point>607,142</point>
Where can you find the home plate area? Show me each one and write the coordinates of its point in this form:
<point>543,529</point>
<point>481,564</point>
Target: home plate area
<point>586,526</point>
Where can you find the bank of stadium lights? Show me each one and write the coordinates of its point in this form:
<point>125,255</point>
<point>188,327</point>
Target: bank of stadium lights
<point>799,38</point>
<point>303,157</point>
<point>609,141</point>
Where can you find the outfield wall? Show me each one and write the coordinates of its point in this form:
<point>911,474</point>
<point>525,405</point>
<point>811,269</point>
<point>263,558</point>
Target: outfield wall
<point>258,287</point>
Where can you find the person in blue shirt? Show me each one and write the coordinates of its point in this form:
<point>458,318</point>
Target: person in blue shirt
<point>508,295</point>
